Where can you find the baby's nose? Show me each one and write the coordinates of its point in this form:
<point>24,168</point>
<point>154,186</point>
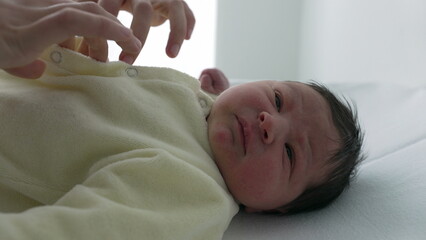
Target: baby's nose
<point>266,126</point>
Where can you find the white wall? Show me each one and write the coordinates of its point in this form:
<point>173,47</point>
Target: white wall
<point>363,40</point>
<point>195,54</point>
<point>325,40</point>
<point>258,39</point>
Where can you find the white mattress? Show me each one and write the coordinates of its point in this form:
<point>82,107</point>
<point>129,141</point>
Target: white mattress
<point>388,199</point>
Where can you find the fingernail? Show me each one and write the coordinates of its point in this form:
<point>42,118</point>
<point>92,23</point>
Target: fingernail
<point>175,50</point>
<point>127,59</point>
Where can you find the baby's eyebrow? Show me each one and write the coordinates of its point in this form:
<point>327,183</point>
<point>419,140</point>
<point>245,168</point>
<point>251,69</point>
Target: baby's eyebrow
<point>298,99</point>
<point>294,95</point>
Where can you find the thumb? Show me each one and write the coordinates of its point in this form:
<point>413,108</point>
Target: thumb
<point>32,70</point>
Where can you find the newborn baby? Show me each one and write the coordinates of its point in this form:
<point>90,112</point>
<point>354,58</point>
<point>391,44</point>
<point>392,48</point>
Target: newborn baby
<point>108,150</point>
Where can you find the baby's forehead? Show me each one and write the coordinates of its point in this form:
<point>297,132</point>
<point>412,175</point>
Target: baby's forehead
<point>316,116</point>
<point>305,95</point>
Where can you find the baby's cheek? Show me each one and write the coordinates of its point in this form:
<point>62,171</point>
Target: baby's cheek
<point>220,134</point>
<point>260,175</point>
<point>220,140</point>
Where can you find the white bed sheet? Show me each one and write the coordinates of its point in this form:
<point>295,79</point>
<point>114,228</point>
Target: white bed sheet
<point>388,199</point>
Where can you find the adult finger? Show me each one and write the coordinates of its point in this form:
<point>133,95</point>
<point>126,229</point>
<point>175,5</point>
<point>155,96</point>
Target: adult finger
<point>141,23</point>
<point>87,6</point>
<point>69,22</point>
<point>33,70</point>
<point>112,6</point>
<point>69,43</point>
<point>178,27</point>
<point>97,48</point>
<point>190,21</point>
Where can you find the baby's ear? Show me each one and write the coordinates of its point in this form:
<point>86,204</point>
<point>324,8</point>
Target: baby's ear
<point>207,83</point>
<point>213,81</point>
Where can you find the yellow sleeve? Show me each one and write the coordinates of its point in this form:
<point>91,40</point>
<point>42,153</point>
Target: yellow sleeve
<point>112,204</point>
<point>88,146</point>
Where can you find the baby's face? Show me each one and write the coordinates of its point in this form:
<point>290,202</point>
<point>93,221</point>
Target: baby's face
<point>271,141</point>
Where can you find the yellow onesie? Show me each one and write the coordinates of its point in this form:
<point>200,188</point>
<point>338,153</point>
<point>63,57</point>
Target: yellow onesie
<point>107,151</point>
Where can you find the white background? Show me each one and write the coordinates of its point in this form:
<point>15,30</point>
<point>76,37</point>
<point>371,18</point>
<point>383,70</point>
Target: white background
<point>324,40</point>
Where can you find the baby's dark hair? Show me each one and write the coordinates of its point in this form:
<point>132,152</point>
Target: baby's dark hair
<point>343,162</point>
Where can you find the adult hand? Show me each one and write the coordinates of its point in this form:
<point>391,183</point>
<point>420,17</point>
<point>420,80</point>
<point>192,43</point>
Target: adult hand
<point>30,26</point>
<point>146,13</point>
<point>213,81</point>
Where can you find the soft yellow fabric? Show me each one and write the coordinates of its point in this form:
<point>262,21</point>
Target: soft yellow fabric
<point>107,151</point>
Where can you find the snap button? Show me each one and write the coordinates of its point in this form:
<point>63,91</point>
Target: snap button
<point>132,72</point>
<point>203,103</point>
<point>56,56</point>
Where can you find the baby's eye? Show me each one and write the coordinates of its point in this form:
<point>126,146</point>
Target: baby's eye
<point>290,153</point>
<point>278,101</point>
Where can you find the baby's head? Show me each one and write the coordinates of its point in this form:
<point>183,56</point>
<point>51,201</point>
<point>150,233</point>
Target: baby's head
<point>284,146</point>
